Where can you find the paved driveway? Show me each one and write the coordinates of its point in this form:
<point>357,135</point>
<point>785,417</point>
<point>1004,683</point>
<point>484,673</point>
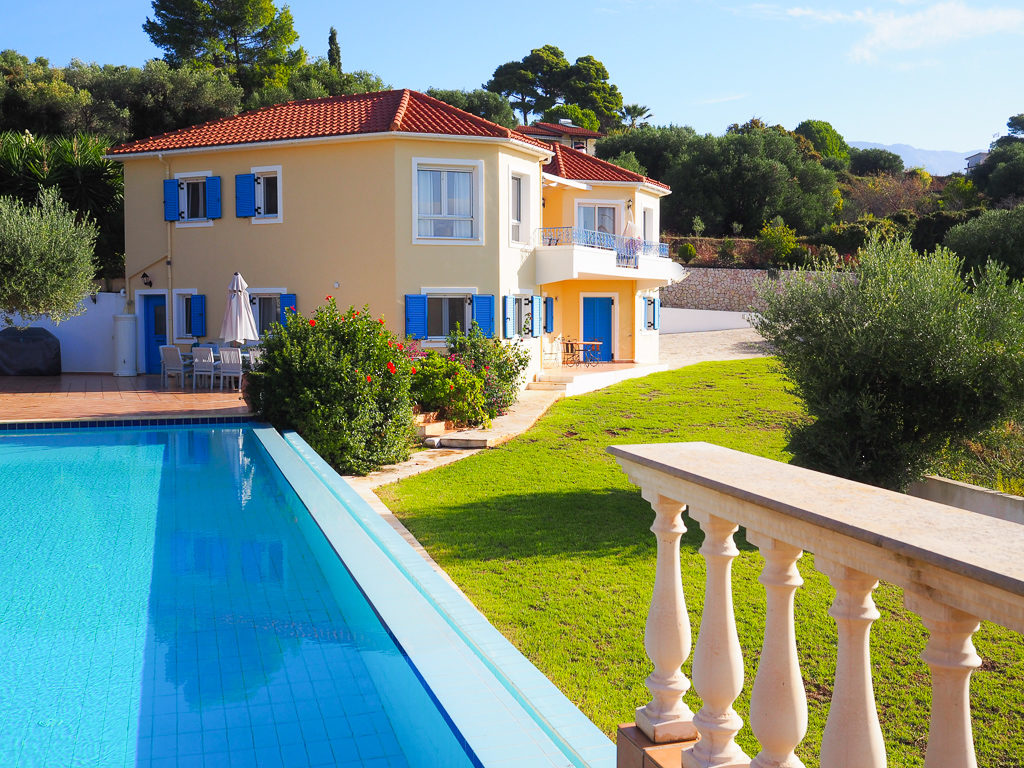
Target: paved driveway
<point>680,349</point>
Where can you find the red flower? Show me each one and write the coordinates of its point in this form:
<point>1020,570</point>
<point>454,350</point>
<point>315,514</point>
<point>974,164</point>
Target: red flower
<point>400,347</point>
<point>414,369</point>
<point>487,367</point>
<point>368,377</point>
<point>391,344</point>
<point>391,367</point>
<point>356,314</point>
<point>312,323</point>
<point>328,298</point>
<point>451,386</point>
<point>380,320</point>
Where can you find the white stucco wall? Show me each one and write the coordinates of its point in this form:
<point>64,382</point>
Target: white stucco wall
<point>675,320</point>
<point>87,341</point>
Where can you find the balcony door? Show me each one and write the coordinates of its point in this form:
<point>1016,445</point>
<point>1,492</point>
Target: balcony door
<point>596,217</point>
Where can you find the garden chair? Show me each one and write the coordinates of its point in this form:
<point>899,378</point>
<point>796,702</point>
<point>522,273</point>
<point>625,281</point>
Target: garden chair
<point>231,366</point>
<point>254,357</point>
<point>570,352</point>
<point>172,364</point>
<point>203,364</point>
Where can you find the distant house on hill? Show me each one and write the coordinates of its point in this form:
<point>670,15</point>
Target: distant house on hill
<point>564,133</point>
<point>973,161</point>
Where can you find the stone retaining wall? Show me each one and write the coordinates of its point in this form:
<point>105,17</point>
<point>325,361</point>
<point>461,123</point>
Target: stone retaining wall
<point>726,290</point>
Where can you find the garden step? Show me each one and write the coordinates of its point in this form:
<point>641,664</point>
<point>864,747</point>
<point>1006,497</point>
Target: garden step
<point>424,418</point>
<point>431,429</point>
<point>550,386</point>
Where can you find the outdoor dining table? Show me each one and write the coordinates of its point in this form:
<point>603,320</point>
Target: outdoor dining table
<point>581,352</point>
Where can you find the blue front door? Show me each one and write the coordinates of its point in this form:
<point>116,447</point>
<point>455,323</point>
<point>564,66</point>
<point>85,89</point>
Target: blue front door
<point>154,310</point>
<point>597,324</point>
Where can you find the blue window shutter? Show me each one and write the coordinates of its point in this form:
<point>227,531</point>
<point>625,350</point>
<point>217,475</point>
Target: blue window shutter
<point>416,315</point>
<point>509,311</point>
<point>535,322</point>
<point>197,309</point>
<point>171,209</point>
<point>245,195</point>
<point>549,314</point>
<point>657,314</point>
<point>483,313</point>
<point>213,197</point>
<point>287,302</point>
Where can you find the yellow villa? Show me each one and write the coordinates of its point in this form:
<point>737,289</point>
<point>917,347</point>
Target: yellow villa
<point>431,216</point>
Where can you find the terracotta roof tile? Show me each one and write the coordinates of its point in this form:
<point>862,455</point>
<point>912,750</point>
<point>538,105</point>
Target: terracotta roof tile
<point>402,111</point>
<point>579,166</point>
<point>556,129</point>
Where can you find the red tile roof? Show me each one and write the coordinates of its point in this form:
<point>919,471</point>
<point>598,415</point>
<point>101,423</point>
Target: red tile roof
<point>556,129</point>
<point>402,111</point>
<point>579,166</point>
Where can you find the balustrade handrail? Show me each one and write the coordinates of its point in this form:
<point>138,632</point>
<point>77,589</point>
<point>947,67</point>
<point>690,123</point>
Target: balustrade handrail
<point>955,567</point>
<point>622,245</point>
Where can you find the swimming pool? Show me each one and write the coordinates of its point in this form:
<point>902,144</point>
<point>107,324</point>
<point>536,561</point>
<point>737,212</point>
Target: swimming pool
<point>171,601</point>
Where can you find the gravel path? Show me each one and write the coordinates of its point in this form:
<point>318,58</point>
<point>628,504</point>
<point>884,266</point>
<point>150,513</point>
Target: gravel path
<point>680,349</point>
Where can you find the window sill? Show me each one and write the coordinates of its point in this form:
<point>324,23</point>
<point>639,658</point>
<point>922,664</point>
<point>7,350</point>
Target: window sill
<point>186,340</point>
<point>193,223</point>
<point>447,241</point>
<point>267,219</point>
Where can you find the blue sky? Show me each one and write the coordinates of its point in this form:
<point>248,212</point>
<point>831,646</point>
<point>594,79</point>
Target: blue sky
<point>937,75</point>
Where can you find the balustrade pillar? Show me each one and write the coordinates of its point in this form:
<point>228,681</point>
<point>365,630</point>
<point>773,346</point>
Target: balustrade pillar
<point>951,657</point>
<point>718,661</point>
<point>667,635</point>
<point>778,704</point>
<point>853,737</point>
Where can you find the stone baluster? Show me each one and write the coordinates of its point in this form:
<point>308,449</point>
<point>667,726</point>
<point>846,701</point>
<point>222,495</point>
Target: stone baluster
<point>667,636</point>
<point>718,661</point>
<point>951,657</point>
<point>853,737</point>
<point>778,705</point>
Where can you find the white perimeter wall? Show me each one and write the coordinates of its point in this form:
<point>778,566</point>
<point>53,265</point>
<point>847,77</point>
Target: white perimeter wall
<point>675,320</point>
<point>87,341</point>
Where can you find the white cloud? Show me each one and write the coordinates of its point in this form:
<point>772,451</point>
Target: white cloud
<point>934,25</point>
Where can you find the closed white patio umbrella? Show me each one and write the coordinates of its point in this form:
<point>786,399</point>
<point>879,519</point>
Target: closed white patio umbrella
<point>239,324</point>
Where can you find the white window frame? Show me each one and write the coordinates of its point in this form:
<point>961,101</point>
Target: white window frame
<point>522,222</point>
<point>647,305</point>
<point>648,216</point>
<point>254,296</point>
<point>522,309</point>
<point>618,205</point>
<point>476,167</point>
<point>450,292</point>
<point>181,315</point>
<point>260,172</point>
<point>186,177</point>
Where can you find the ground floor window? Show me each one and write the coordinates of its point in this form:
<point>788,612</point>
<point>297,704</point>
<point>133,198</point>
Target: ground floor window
<point>446,312</point>
<point>266,310</point>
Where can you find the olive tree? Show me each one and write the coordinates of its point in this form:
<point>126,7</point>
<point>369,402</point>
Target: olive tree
<point>896,359</point>
<point>45,259</point>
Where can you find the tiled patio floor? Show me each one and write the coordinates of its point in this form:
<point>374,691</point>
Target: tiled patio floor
<point>99,396</point>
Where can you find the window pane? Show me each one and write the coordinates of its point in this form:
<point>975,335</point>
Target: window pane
<point>586,217</point>
<point>606,220</point>
<point>269,310</point>
<point>186,306</point>
<point>517,199</point>
<point>462,228</point>
<point>460,193</point>
<point>269,184</point>
<point>456,313</point>
<point>195,207</point>
<point>429,191</point>
<point>648,215</point>
<point>435,316</point>
<point>442,228</point>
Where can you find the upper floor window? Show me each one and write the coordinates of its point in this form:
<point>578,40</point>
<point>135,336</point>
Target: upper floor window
<point>258,195</point>
<point>596,217</point>
<point>516,209</point>
<point>648,224</point>
<point>447,200</point>
<point>192,198</point>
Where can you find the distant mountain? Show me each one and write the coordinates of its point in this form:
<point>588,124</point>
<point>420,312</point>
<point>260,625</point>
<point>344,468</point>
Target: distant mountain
<point>936,161</point>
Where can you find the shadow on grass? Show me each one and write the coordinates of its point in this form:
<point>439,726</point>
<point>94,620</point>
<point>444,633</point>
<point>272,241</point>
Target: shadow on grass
<point>610,522</point>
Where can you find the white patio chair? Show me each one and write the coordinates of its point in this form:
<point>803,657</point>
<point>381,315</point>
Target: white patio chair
<point>203,364</point>
<point>231,365</point>
<point>173,365</point>
<point>254,356</point>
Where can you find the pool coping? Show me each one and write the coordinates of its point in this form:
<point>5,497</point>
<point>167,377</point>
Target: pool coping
<point>155,421</point>
<point>508,712</point>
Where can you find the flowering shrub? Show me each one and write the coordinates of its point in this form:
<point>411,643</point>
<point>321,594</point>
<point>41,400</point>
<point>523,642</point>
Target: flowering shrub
<point>444,385</point>
<point>498,365</point>
<point>340,380</point>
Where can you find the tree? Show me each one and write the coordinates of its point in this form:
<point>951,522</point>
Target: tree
<point>486,104</point>
<point>584,118</point>
<point>884,195</point>
<point>867,162</point>
<point>45,259</point>
<point>997,235</point>
<point>1001,176</point>
<point>655,148</point>
<point>248,39</point>
<point>586,84</point>
<point>515,83</point>
<point>333,50</point>
<point>826,140</point>
<point>628,161</point>
<point>634,113</point>
<point>896,362</point>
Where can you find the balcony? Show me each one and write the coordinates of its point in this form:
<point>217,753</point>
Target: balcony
<point>572,253</point>
<point>955,568</point>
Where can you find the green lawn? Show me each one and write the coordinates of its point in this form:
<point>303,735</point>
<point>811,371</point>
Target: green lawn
<point>551,542</point>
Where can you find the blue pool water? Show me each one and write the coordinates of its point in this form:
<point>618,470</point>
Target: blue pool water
<point>166,600</point>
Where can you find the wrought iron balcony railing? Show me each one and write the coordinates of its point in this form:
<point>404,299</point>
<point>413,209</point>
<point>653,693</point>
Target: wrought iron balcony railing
<point>628,250</point>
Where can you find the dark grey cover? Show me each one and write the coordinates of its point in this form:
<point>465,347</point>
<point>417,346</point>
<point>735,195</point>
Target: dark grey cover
<point>29,352</point>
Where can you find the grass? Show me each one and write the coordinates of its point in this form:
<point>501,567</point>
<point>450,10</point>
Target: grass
<point>552,543</point>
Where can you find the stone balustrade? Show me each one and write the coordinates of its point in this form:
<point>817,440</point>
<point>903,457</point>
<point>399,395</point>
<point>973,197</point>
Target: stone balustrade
<point>955,567</point>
